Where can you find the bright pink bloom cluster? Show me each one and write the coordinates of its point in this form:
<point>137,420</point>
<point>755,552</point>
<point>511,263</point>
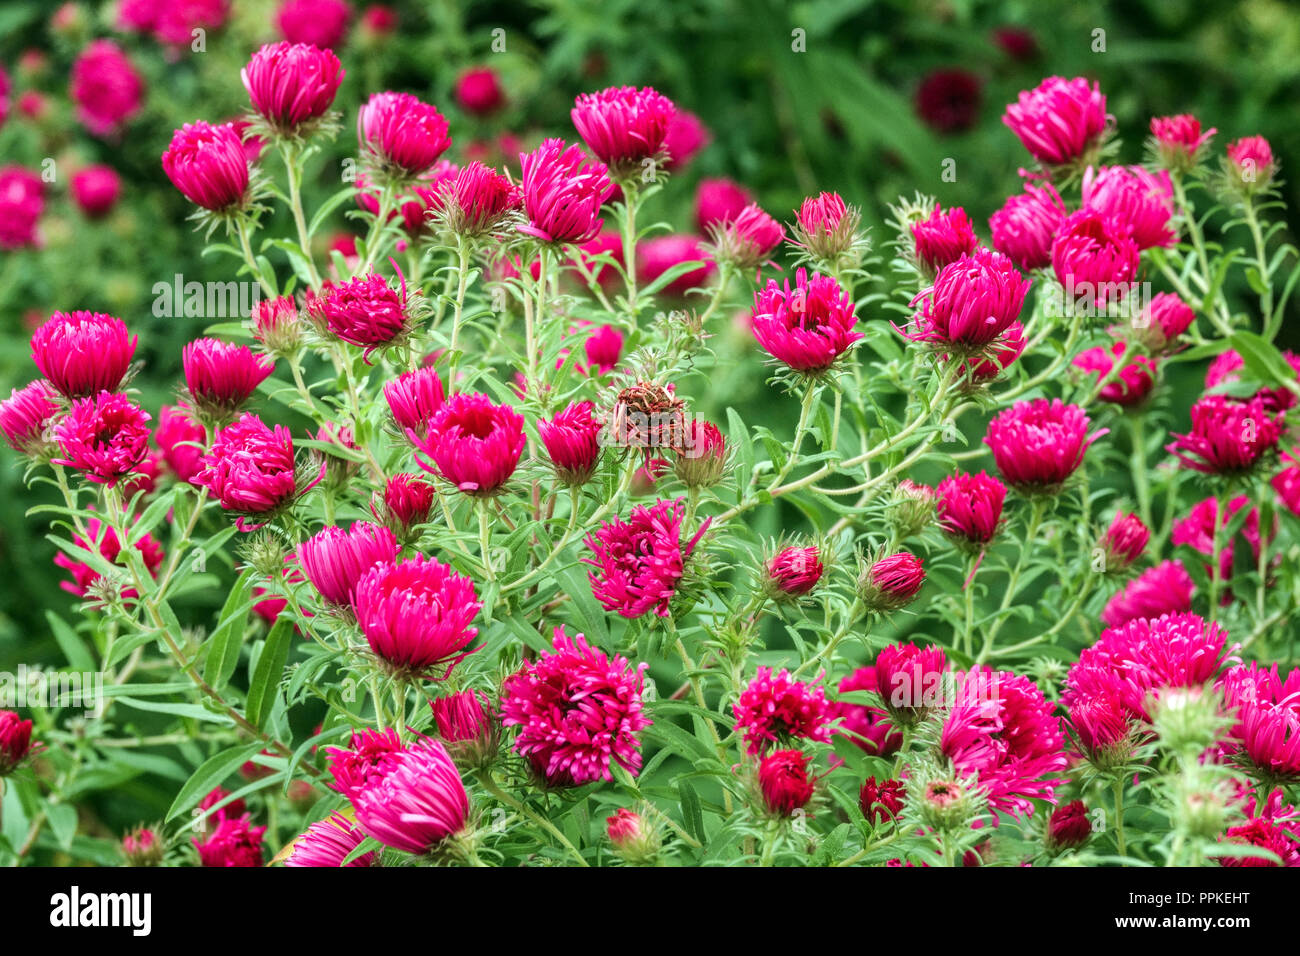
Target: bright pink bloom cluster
<point>686,136</point>
<point>1197,530</point>
<point>623,125</point>
<point>1165,318</point>
<point>1227,436</point>
<point>1266,736</point>
<point>1250,163</point>
<point>1038,444</point>
<point>909,679</point>
<point>892,582</point>
<point>172,22</point>
<point>943,238</point>
<point>416,614</point>
<point>639,562</point>
<point>105,437</point>
<point>472,443</point>
<point>562,193</point>
<point>972,303</point>
<point>15,741</point>
<point>1023,229</point>
<point>208,165</point>
<point>1179,140</point>
<point>250,467</point>
<point>477,200</point>
<point>1142,200</point>
<point>405,503</point>
<point>1124,541</point>
<point>414,800</point>
<point>826,226</point>
<point>578,712</point>
<point>657,255</point>
<point>83,353</point>
<point>969,506</point>
<point>334,560</point>
<point>180,439</point>
<point>775,707</point>
<point>808,327</point>
<point>1060,120</point>
<point>291,84</point>
<point>1165,589</point>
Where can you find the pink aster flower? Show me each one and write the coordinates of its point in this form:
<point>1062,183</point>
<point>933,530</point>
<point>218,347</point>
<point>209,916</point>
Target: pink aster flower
<point>657,255</point>
<point>416,614</point>
<point>322,23</point>
<point>250,467</point>
<point>181,440</point>
<point>948,100</point>
<point>783,780</point>
<point>578,712</point>
<point>969,507</point>
<point>1266,736</point>
<point>623,125</point>
<point>639,562</point>
<point>106,88</point>
<point>104,437</point>
<point>793,572</point>
<point>405,503</point>
<point>1132,195</point>
<point>83,353</point>
<point>208,165</point>
<point>748,240</point>
<point>328,843</point>
<point>1179,141</point>
<point>415,801</point>
<point>96,190</point>
<point>359,764</point>
<point>365,311</point>
<point>1227,437</point>
<point>1124,541</point>
<point>415,398</point>
<point>604,347</point>
<point>478,91</point>
<point>1133,383</point>
<point>15,741</point>
<point>808,327</point>
<point>404,135</point>
<point>910,680</point>
<point>1023,229</point>
<point>686,136</point>
<point>25,417</point>
<point>562,193</point>
<point>1002,730</point>
<point>1250,164</point>
<point>572,440</point>
<point>996,359</point>
<point>1226,369</point>
<point>1102,724</point>
<point>234,842</point>
<point>472,443</point>
<point>868,728</point>
<point>1197,531</point>
<point>277,324</point>
<point>1165,589</point>
<point>943,238</point>
<point>477,201</point>
<point>718,201</point>
<point>1095,259</point>
<point>1038,444</point>
<point>221,376</point>
<point>774,708</point>
<point>1060,120</point>
<point>103,541</point>
<point>1279,837</point>
<point>881,801</point>
<point>826,226</point>
<point>334,560</point>
<point>292,84</point>
<point>892,582</point>
<point>466,723</point>
<point>972,303</point>
<point>1286,482</point>
<point>1165,318</point>
<point>22,200</point>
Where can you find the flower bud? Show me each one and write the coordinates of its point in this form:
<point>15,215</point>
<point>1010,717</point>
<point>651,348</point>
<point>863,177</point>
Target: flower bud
<point>468,727</point>
<point>635,840</point>
<point>701,455</point>
<point>1249,166</point>
<point>1187,720</point>
<point>783,780</point>
<point>946,805</point>
<point>15,741</point>
<point>405,503</point>
<point>1123,542</point>
<point>793,572</point>
<point>881,802</point>
<point>911,509</point>
<point>143,847</point>
<point>1068,827</point>
<point>892,582</point>
<point>277,325</point>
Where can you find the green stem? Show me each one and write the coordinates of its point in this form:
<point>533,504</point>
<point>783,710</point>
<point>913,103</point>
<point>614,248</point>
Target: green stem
<point>462,254</point>
<point>489,784</point>
<point>1118,789</point>
<point>293,167</point>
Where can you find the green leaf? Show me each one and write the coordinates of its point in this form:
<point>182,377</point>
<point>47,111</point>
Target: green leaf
<point>1264,361</point>
<point>63,823</point>
<point>226,641</point>
<point>691,813</point>
<point>266,676</point>
<point>210,774</point>
<point>73,647</point>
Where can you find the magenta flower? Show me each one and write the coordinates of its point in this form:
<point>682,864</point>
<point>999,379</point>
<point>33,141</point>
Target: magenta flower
<point>1068,826</point>
<point>578,712</point>
<point>292,84</point>
<point>106,88</point>
<point>416,614</point>
<point>365,311</point>
<point>892,582</point>
<point>25,417</point>
<point>1131,195</point>
<point>774,709</point>
<point>808,327</point>
<point>657,255</point>
<point>328,842</point>
<point>748,240</point>
<point>466,725</point>
<point>478,91</point>
<point>105,437</point>
<point>83,353</point>
<point>404,135</point>
<point>1024,227</point>
<point>826,226</point>
<point>867,727</point>
<point>250,467</point>
<point>359,764</point>
<point>572,440</point>
<point>477,200</point>
<point>1179,140</point>
<point>881,800</point>
<point>1276,829</point>
<point>416,801</point>
<point>1250,164</point>
<point>1103,726</point>
<point>1124,541</point>
<point>996,359</point>
<point>1165,318</point>
<point>1134,382</point>
<point>718,201</point>
<point>1197,531</point>
<point>630,835</point>
<point>604,347</point>
<point>96,190</point>
<point>686,136</point>
<point>969,506</point>
<point>208,165</point>
<point>334,560</point>
<point>623,125</point>
<point>406,503</point>
<point>639,562</point>
<point>1226,368</point>
<point>909,679</point>
<point>1266,736</point>
<point>972,303</point>
<point>22,200</point>
<point>783,781</point>
<point>1060,120</point>
<point>1227,437</point>
<point>948,101</point>
<point>472,443</point>
<point>277,325</point>
<point>322,23</point>
<point>1095,259</point>
<point>943,238</point>
<point>181,440</point>
<point>793,572</point>
<point>562,193</point>
<point>415,398</point>
<point>1165,589</point>
<point>15,741</point>
<point>221,376</point>
<point>103,541</point>
<point>1038,444</point>
<point>234,842</point>
<point>1002,730</point>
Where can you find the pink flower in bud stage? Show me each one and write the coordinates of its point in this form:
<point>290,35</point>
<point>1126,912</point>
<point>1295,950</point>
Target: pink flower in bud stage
<point>416,614</point>
<point>83,353</point>
<point>104,437</point>
<point>328,842</point>
<point>1060,120</point>
<point>639,562</point>
<point>208,165</point>
<point>1134,382</point>
<point>103,541</point>
<point>1023,229</point>
<point>364,311</point>
<point>96,190</point>
<point>881,801</point>
<point>892,582</point>
<point>1251,166</point>
<point>773,708</point>
<point>718,201</point>
<point>26,414</point>
<point>478,91</point>
<point>1166,588</point>
<point>292,84</point>
<point>106,88</point>
<point>406,502</point>
<point>748,240</point>
<point>322,23</point>
<point>472,443</point>
<point>1102,723</point>
<point>220,375</point>
<point>1095,259</point>
<point>22,200</point>
<point>463,717</point>
<point>1069,826</point>
<point>825,226</point>
<point>1227,437</point>
<point>1266,735</point>
<point>631,836</point>
<point>1124,541</point>
<point>783,780</point>
<point>578,712</point>
<point>1163,321</point>
<point>181,440</point>
<point>623,125</point>
<point>276,324</point>
<point>415,398</point>
<point>969,506</point>
<point>1179,140</point>
<point>142,847</point>
<point>572,440</point>
<point>404,135</point>
<point>795,571</point>
<point>943,238</point>
<point>477,200</point>
<point>250,467</point>
<point>808,327</point>
<point>334,560</point>
<point>686,136</point>
<point>909,679</point>
<point>15,741</point>
<point>1038,444</point>
<point>415,800</point>
<point>562,193</point>
<point>1132,195</point>
<point>233,842</point>
<point>972,303</point>
<point>867,727</point>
